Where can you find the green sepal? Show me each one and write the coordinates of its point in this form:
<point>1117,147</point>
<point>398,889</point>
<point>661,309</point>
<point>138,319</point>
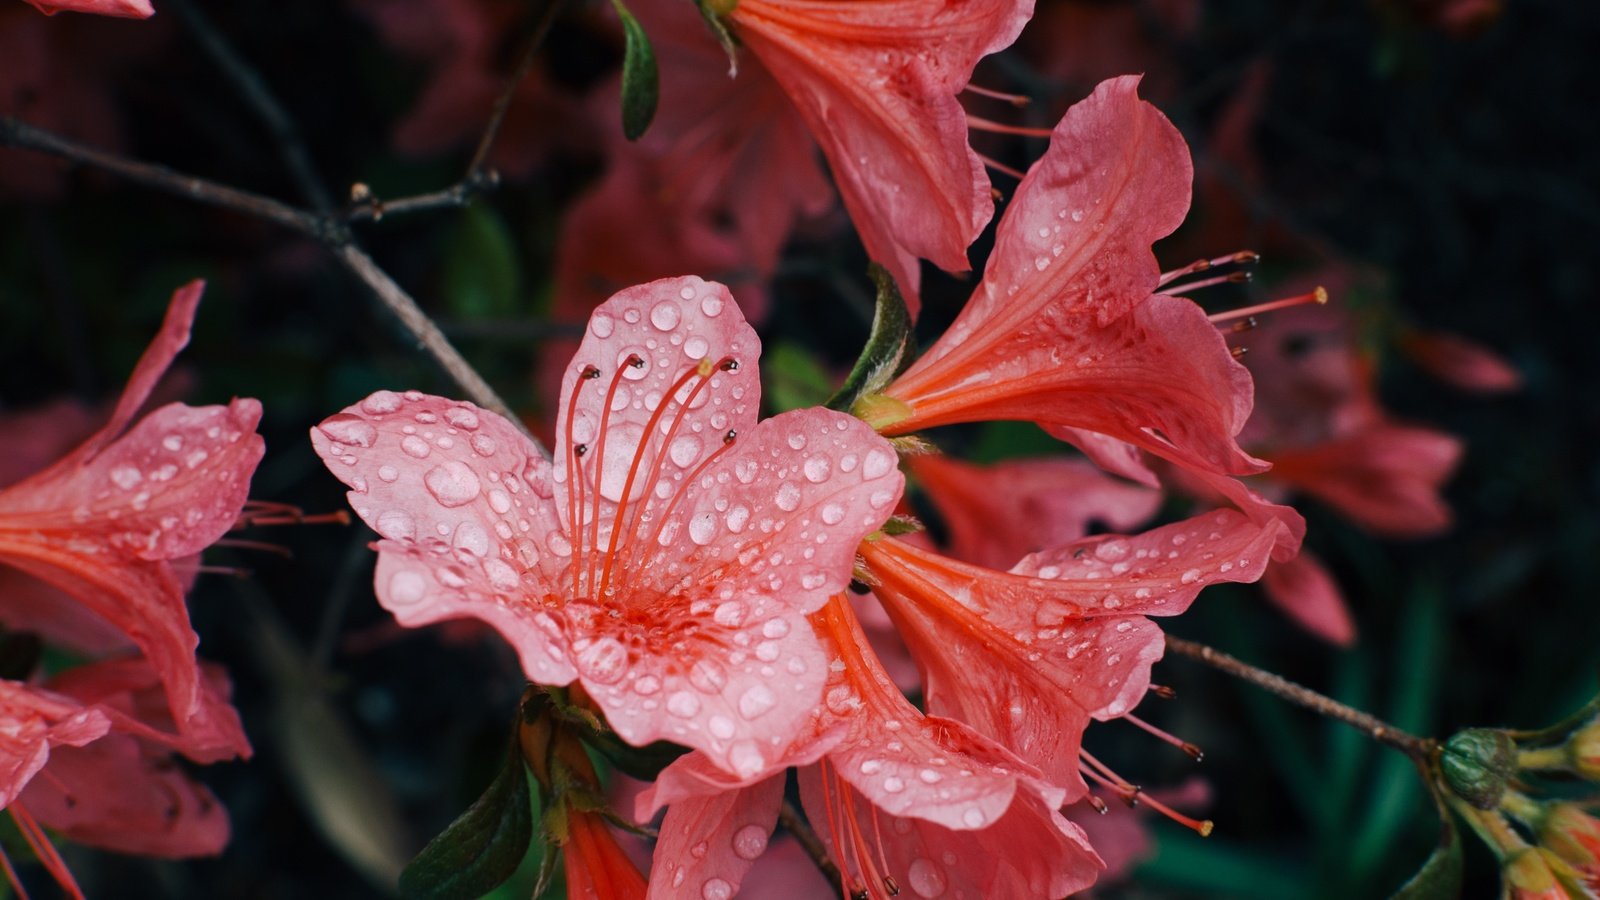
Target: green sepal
<point>1477,763</point>
<point>643,763</point>
<point>482,848</point>
<point>888,347</point>
<point>641,81</point>
<point>713,12</point>
<point>1440,877</point>
<point>898,525</point>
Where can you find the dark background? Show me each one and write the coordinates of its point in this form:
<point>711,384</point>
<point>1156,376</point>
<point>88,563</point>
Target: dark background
<point>1460,166</point>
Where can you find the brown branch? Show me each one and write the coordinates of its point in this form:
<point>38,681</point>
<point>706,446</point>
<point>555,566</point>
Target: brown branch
<point>796,825</point>
<point>1417,748</point>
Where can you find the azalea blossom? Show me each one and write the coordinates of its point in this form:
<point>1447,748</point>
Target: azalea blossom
<point>1066,329</point>
<point>103,525</point>
<point>876,82</point>
<point>668,557</point>
<point>900,798</point>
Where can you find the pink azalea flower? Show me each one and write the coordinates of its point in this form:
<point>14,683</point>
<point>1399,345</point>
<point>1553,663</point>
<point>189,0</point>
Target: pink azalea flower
<point>104,524</point>
<point>1066,329</point>
<point>1304,589</point>
<point>126,9</point>
<point>877,83</point>
<point>1460,362</point>
<point>667,558</point>
<point>901,799</point>
<point>1000,513</point>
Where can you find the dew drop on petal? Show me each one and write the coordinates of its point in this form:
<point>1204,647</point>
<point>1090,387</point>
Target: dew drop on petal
<point>604,660</point>
<point>343,428</point>
<point>601,324</point>
<point>711,305</point>
<point>817,469</point>
<point>452,484</point>
<point>893,785</point>
<point>737,518</point>
<point>703,528</point>
<point>877,464</point>
<point>925,878</point>
<point>775,627</point>
<point>756,701</point>
<point>974,817</point>
<point>415,447</point>
<point>832,514</point>
<point>645,685</point>
<point>381,403</point>
<point>750,841</point>
<point>684,451</point>
<point>788,497</point>
<point>716,889</point>
<point>696,347</point>
<point>499,501</point>
<point>483,445</point>
<point>721,727</point>
<point>665,316</point>
<point>406,587</point>
<point>388,474</point>
<point>683,704</point>
<point>1190,576</point>
<point>396,525</point>
<point>126,477</point>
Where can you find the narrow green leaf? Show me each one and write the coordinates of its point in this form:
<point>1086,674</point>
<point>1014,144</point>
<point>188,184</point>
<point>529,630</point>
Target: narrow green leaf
<point>641,83</point>
<point>886,352</point>
<point>482,848</point>
<point>792,378</point>
<point>482,274</point>
<point>1440,877</point>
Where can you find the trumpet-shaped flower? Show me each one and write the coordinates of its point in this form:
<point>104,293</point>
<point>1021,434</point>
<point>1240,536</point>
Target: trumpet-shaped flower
<point>104,523</point>
<point>668,557</point>
<point>125,9</point>
<point>1066,329</point>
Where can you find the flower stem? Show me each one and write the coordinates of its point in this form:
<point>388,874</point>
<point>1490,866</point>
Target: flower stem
<point>1418,748</point>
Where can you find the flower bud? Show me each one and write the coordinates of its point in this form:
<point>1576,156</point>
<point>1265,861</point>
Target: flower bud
<point>1477,763</point>
<point>1583,750</point>
<point>1574,836</point>
<point>1528,876</point>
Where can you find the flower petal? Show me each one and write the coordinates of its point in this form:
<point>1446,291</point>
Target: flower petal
<point>708,844</point>
<point>1303,588</point>
<point>125,9</point>
<point>876,82</point>
<point>1385,477</point>
<point>32,723</point>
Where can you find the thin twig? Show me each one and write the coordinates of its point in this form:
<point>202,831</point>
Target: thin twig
<point>16,133</point>
<point>502,104</point>
<point>260,99</point>
<point>1417,748</point>
<point>797,826</point>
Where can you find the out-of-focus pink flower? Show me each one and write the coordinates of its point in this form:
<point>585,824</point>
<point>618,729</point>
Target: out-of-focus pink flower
<point>1000,513</point>
<point>1461,363</point>
<point>877,82</point>
<point>667,559</point>
<point>104,523</point>
<point>464,45</point>
<point>124,9</point>
<point>899,798</point>
<point>1303,589</point>
<point>1065,329</point>
<point>1080,43</point>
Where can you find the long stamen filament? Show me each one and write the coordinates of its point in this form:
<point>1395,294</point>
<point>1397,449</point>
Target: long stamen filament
<point>591,547</point>
<point>1241,258</point>
<point>1017,100</point>
<point>1230,278</point>
<point>666,514</point>
<point>1194,752</point>
<point>1318,296</point>
<point>574,451</point>
<point>39,843</point>
<point>1001,167</point>
<point>983,124</point>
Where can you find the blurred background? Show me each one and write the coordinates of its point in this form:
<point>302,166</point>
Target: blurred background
<point>1434,160</point>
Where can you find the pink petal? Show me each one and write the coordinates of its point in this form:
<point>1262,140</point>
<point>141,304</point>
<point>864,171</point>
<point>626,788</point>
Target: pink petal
<point>466,504</point>
<point>1303,588</point>
<point>997,514</point>
<point>1460,362</point>
<point>127,9</point>
<point>708,844</point>
<point>32,439</point>
<point>33,605</point>
<point>118,795</point>
<point>1385,477</point>
<point>1030,852</point>
<point>130,691</point>
<point>876,82</point>
<point>32,723</point>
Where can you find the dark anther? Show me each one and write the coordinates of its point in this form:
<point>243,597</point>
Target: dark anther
<point>1098,804</point>
<point>1162,691</point>
<point>729,365</point>
<point>728,438</point>
<point>635,360</point>
<point>859,587</point>
<point>860,893</point>
<point>892,886</point>
<point>590,372</point>
<point>580,450</point>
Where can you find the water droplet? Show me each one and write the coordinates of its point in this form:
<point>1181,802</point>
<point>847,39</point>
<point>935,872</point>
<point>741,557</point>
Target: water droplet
<point>721,727</point>
<point>1111,550</point>
<point>871,766</point>
<point>665,316</point>
<point>877,465</point>
<point>716,889</point>
<point>711,305</point>
<point>381,403</point>
<point>1190,576</point>
<point>813,580</point>
<point>471,537</point>
<point>126,477</point>
<point>788,497</point>
<point>797,441</point>
<point>483,445</point>
<point>750,841</point>
<point>817,469</point>
<point>756,701</point>
<point>601,324</point>
<point>708,677</point>
<point>698,851</point>
<point>926,878</point>
<point>406,587</point>
<point>737,518</point>
<point>452,484</point>
<point>745,470</point>
<point>604,660</point>
<point>974,817</point>
<point>388,474</point>
<point>499,501</point>
<point>729,614</point>
<point>702,528</point>
<point>696,347</point>
<point>683,704</point>
<point>415,447</point>
<point>929,776</point>
<point>1077,215</point>
<point>195,458</point>
<point>645,685</point>
<point>775,628</point>
<point>893,785</point>
<point>684,451</point>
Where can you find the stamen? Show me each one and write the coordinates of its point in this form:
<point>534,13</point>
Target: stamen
<point>1202,827</point>
<point>1248,323</point>
<point>1162,691</point>
<point>1097,804</point>
<point>666,514</point>
<point>1102,773</point>
<point>1193,751</point>
<point>590,555</point>
<point>39,843</point>
<point>11,876</point>
<point>1238,352</point>
<point>1230,278</point>
<point>574,451</point>
<point>1002,168</point>
<point>1017,100</point>
<point>1241,258</point>
<point>263,546</point>
<point>983,124</point>
<point>1318,296</point>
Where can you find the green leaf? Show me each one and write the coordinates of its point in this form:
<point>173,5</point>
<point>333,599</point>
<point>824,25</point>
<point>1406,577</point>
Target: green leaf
<point>1440,877</point>
<point>886,352</point>
<point>483,847</point>
<point>713,11</point>
<point>643,763</point>
<point>482,277</point>
<point>792,378</point>
<point>641,84</point>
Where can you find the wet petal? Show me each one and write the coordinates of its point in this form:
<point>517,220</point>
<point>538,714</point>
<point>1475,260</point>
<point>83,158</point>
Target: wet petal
<point>708,844</point>
<point>1303,588</point>
<point>32,723</point>
<point>1385,477</point>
